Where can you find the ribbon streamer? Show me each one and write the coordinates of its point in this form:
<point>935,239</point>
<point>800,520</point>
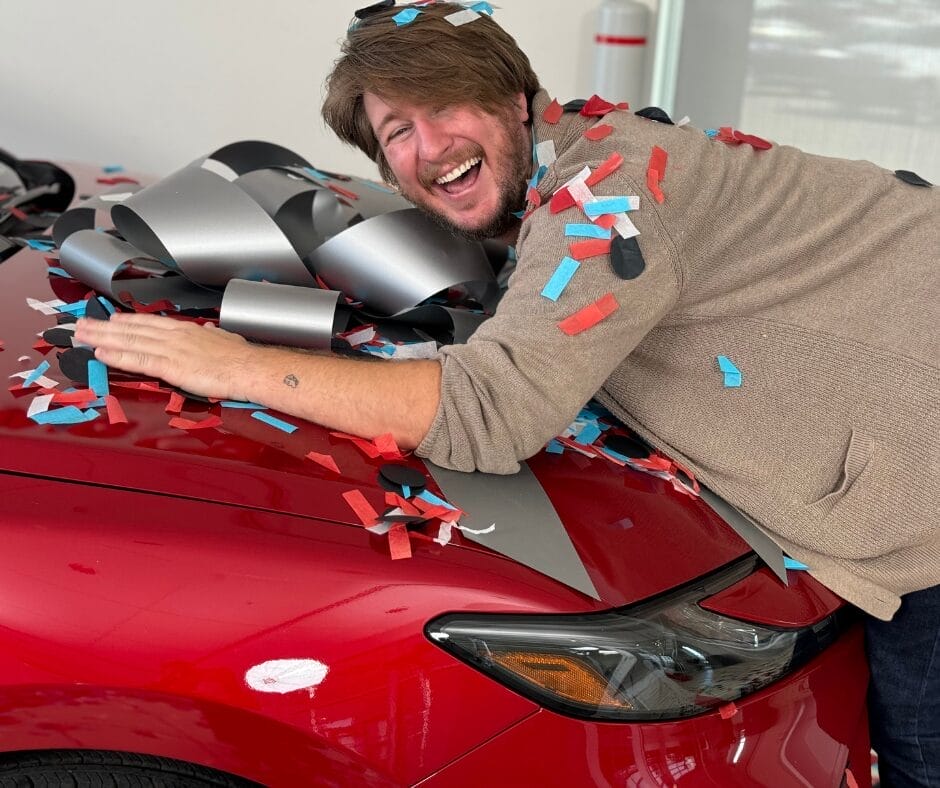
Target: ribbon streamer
<point>258,220</point>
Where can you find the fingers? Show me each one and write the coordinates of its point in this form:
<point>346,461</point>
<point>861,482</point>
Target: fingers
<point>135,362</point>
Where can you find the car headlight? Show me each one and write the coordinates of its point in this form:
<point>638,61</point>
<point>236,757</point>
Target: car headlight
<point>662,659</point>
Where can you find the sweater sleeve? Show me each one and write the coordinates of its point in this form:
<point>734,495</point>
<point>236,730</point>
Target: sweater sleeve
<point>520,380</point>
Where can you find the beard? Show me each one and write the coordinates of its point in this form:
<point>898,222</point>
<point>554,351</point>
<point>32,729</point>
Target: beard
<point>514,153</point>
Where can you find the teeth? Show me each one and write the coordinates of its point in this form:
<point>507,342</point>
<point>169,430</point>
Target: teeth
<point>458,171</point>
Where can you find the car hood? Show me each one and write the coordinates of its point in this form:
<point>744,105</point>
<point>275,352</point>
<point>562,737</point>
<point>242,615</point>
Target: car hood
<point>636,535</point>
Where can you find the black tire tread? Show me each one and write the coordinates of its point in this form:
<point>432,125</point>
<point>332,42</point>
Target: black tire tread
<point>108,769</point>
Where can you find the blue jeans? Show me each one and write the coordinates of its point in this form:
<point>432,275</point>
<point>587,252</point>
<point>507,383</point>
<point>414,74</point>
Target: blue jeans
<point>904,695</point>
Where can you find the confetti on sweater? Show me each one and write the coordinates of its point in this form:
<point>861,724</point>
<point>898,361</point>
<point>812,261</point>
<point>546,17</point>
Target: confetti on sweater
<point>626,258</point>
<point>606,205</point>
<point>560,278</point>
<point>323,459</point>
<point>593,247</point>
<point>279,424</point>
<point>587,231</point>
<point>609,166</point>
<point>598,132</point>
<point>596,106</point>
<point>732,374</point>
<point>561,200</point>
<point>655,172</point>
<point>553,112</point>
<point>590,316</point>
<point>545,154</point>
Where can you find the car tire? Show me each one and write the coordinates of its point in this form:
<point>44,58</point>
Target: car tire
<point>100,769</point>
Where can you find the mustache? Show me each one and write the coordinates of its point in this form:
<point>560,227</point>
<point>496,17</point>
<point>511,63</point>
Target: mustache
<point>428,172</point>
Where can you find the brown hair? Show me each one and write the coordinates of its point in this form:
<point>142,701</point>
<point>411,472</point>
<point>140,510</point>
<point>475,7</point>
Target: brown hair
<point>430,62</point>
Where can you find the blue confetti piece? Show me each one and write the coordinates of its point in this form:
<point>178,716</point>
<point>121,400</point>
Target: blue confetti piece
<point>406,16</point>
<point>98,377</point>
<point>377,186</point>
<point>792,563</point>
<point>75,308</point>
<point>283,426</point>
<point>40,246</point>
<point>731,372</point>
<point>482,8</point>
<point>431,498</point>
<point>589,433</point>
<point>67,415</point>
<point>108,306</point>
<point>606,205</point>
<point>559,280</point>
<point>511,253</point>
<point>110,169</point>
<point>711,133</point>
<point>316,173</point>
<point>518,214</point>
<point>101,402</point>
<point>539,174</point>
<point>233,403</point>
<point>615,454</point>
<point>587,231</point>
<point>35,374</point>
<point>56,271</point>
<point>554,447</point>
<point>405,491</point>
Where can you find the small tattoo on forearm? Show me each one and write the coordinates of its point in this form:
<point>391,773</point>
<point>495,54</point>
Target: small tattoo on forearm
<point>291,380</point>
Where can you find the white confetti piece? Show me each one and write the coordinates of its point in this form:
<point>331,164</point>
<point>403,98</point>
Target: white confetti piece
<point>114,197</point>
<point>489,530</point>
<point>42,380</point>
<point>462,17</point>
<point>415,350</point>
<point>624,227</point>
<point>23,358</point>
<point>45,307</point>
<point>545,153</point>
<point>39,404</point>
<point>444,534</point>
<point>285,675</point>
<point>685,121</point>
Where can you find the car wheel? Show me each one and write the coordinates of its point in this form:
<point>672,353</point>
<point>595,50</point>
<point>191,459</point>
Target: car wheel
<point>99,769</point>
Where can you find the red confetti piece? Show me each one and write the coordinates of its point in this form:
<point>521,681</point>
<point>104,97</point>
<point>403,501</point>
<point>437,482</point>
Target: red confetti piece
<point>323,459</point>
<point>553,112</point>
<point>561,200</point>
<point>387,447</point>
<point>623,105</point>
<point>655,171</point>
<point>727,710</point>
<point>606,220</point>
<point>367,447</point>
<point>533,196</point>
<point>163,305</point>
<point>582,250</point>
<point>114,180</point>
<point>175,405</point>
<point>116,413</point>
<point>850,780</point>
<point>42,346</point>
<point>573,444</point>
<point>590,316</point>
<point>606,168</point>
<point>758,143</point>
<point>341,191</point>
<point>81,397</point>
<point>598,132</point>
<point>362,508</point>
<point>181,423</point>
<point>399,545</point>
<point>596,106</point>
<point>655,462</point>
<point>17,213</point>
<point>394,499</point>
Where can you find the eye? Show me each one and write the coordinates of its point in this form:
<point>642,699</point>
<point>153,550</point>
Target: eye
<point>395,133</point>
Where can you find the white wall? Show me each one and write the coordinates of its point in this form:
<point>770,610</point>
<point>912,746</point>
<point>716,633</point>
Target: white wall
<point>154,85</point>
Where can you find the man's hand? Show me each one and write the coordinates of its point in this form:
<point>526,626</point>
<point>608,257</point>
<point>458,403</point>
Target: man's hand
<point>364,397</point>
<point>203,360</point>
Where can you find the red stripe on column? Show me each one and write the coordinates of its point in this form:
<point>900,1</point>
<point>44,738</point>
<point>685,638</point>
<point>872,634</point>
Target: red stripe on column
<point>620,40</point>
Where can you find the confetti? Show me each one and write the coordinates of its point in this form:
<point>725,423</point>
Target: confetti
<point>590,316</point>
<point>607,205</point>
<point>362,508</point>
<point>560,278</point>
<point>459,18</point>
<point>594,247</point>
<point>98,377</point>
<point>792,563</point>
<point>626,258</point>
<point>175,405</point>
<point>34,375</point>
<point>586,231</point>
<point>182,423</point>
<point>655,171</point>
<point>114,180</point>
<point>279,424</point>
<point>606,168</point>
<point>323,459</point>
<point>732,379</point>
<point>115,412</point>
<point>406,16</point>
<point>598,132</point>
<point>545,154</point>
<point>553,112</point>
<point>399,545</point>
<point>561,200</point>
<point>596,106</point>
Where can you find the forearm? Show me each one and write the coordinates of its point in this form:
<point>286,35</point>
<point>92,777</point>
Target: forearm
<point>362,397</point>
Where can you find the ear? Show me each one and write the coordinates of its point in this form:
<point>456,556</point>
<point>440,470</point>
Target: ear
<point>521,107</point>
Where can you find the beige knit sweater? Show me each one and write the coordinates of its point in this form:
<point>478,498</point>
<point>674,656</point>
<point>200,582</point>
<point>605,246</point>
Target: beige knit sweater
<point>819,278</point>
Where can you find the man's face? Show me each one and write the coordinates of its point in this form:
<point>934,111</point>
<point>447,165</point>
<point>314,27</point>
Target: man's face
<point>463,166</point>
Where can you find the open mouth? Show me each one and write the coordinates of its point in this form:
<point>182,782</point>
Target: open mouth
<point>461,178</point>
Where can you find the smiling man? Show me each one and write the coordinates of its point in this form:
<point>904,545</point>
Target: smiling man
<point>766,317</point>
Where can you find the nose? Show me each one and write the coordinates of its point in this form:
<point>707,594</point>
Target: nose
<point>434,139</point>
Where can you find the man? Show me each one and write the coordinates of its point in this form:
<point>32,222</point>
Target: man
<point>815,278</point>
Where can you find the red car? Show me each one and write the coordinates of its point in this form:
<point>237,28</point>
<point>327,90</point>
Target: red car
<point>204,607</point>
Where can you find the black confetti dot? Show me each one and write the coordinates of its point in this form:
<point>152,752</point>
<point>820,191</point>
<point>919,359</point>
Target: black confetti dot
<point>912,178</point>
<point>655,113</point>
<point>74,363</point>
<point>64,318</point>
<point>626,257</point>
<point>369,10</point>
<point>575,105</point>
<point>59,337</point>
<point>393,477</point>
<point>627,446</point>
<point>95,310</point>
